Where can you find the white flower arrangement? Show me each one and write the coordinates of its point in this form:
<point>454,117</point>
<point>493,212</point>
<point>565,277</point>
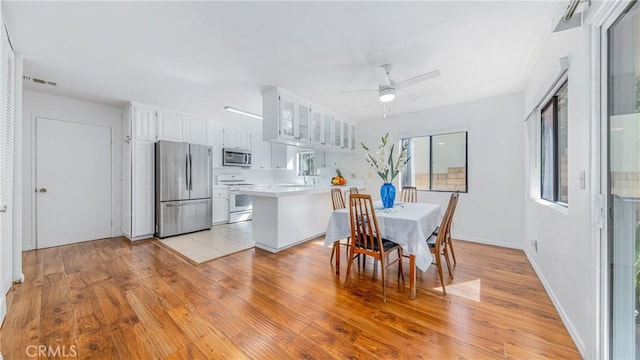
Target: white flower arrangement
<point>382,160</point>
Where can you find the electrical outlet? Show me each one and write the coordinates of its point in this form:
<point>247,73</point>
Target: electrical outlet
<point>534,245</point>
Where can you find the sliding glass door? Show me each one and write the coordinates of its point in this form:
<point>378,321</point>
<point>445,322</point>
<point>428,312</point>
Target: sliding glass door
<point>623,109</point>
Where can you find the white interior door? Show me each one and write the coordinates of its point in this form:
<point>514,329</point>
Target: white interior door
<point>73,182</point>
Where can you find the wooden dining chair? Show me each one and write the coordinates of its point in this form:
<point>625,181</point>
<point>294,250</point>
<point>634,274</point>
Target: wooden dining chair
<point>438,244</point>
<point>454,197</point>
<point>409,194</point>
<point>366,239</point>
<point>338,203</point>
<point>449,243</point>
<point>353,190</point>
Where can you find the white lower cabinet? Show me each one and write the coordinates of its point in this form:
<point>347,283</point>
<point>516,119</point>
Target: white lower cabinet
<point>220,205</point>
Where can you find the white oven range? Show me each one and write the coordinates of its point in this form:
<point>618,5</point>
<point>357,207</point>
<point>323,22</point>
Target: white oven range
<point>240,207</point>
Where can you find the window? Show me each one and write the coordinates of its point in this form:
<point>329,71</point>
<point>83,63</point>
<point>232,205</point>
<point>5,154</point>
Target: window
<point>307,163</point>
<point>553,144</point>
<point>437,162</point>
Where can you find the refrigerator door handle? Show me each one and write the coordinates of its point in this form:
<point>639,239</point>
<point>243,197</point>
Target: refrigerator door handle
<point>187,170</point>
<point>190,174</point>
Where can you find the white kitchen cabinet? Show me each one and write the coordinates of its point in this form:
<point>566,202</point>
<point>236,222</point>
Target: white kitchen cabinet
<point>288,119</point>
<point>302,121</point>
<point>345,135</point>
<point>196,130</point>
<point>281,157</point>
<point>260,153</point>
<point>143,181</point>
<point>143,122</point>
<point>182,128</point>
<point>170,126</point>
<point>337,133</point>
<point>315,135</point>
<point>138,172</point>
<point>287,116</point>
<point>236,139</point>
<point>214,139</point>
<point>327,129</point>
<point>220,205</point>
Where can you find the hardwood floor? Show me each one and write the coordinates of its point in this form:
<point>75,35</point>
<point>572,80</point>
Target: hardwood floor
<point>113,299</point>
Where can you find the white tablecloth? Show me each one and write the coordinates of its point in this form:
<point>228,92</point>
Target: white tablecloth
<point>406,224</point>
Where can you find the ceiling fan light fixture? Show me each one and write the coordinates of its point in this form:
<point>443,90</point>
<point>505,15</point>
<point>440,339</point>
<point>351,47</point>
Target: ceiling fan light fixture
<point>387,95</point>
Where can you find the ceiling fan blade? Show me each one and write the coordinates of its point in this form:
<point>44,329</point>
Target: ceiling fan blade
<point>417,79</point>
<point>357,91</point>
<point>410,95</point>
<point>383,75</point>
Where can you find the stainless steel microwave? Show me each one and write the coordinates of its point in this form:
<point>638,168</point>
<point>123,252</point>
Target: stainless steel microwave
<point>236,157</point>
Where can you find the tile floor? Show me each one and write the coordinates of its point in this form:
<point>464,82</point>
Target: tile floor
<point>220,241</point>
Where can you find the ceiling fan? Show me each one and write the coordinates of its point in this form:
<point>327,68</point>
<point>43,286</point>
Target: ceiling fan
<point>387,88</point>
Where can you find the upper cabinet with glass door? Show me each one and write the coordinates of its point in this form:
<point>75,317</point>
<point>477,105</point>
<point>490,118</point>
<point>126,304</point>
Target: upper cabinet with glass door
<point>291,120</point>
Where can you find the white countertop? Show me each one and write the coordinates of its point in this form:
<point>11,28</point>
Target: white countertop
<point>290,190</point>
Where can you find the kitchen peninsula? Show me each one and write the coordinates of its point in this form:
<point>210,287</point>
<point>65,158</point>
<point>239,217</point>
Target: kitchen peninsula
<point>284,216</point>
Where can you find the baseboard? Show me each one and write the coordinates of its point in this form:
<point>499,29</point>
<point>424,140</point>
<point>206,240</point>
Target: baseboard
<point>19,280</point>
<point>3,308</point>
<point>275,250</point>
<point>487,241</point>
<point>142,237</point>
<point>556,303</point>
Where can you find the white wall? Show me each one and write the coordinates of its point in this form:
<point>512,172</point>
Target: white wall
<point>564,259</point>
<point>37,104</point>
<point>491,211</point>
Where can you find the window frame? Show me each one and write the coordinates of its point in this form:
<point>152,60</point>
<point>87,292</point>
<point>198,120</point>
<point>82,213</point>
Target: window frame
<point>555,156</point>
<point>466,161</point>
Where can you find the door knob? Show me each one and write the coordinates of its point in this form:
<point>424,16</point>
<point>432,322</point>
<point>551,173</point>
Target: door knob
<point>43,190</point>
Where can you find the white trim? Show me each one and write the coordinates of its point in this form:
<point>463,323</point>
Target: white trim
<point>550,86</point>
<point>557,304</point>
<point>18,198</point>
<point>600,21</point>
<point>478,240</point>
<point>551,205</point>
<point>3,308</point>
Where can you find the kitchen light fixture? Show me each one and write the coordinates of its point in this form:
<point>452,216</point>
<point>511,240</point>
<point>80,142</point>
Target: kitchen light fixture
<point>242,112</point>
<point>387,94</point>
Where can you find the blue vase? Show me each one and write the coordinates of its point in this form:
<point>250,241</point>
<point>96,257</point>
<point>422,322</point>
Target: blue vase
<point>388,195</point>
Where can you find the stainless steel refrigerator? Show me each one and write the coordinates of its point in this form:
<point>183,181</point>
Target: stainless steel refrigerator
<point>183,188</point>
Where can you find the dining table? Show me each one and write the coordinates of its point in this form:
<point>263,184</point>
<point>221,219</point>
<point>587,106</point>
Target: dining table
<point>406,224</point>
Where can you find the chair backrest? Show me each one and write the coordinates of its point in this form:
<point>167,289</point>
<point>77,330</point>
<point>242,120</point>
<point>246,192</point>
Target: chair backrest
<point>364,225</point>
<point>353,190</point>
<point>337,199</point>
<point>409,194</point>
<point>453,199</point>
<point>445,223</point>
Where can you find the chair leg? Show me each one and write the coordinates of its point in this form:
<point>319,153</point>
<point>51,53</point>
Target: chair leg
<point>400,272</point>
<point>453,254</point>
<point>446,258</point>
<point>439,266</point>
<point>333,251</point>
<point>350,258</point>
<point>384,282</point>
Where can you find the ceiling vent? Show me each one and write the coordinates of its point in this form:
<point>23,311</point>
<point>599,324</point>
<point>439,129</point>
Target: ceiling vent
<point>39,81</point>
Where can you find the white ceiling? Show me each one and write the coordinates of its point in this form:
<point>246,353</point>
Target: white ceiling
<point>198,57</point>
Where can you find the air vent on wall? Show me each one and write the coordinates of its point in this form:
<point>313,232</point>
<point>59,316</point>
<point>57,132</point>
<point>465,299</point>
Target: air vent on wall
<point>39,81</point>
